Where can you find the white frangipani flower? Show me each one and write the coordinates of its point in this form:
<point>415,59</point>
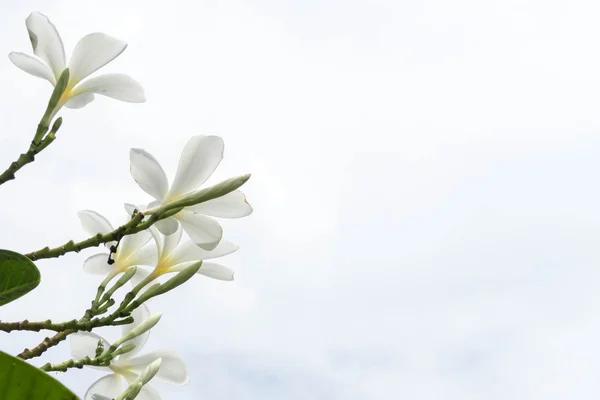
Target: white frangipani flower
<point>128,368</point>
<point>131,252</point>
<point>173,257</point>
<point>91,53</point>
<point>200,157</point>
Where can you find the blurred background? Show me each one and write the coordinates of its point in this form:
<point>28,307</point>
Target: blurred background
<point>424,185</point>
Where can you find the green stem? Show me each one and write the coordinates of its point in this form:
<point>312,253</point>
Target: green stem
<point>64,366</point>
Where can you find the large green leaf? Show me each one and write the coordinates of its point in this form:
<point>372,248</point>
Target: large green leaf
<point>18,276</point>
<point>22,381</point>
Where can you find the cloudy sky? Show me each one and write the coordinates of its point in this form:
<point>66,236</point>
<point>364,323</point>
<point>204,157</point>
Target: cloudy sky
<point>424,184</point>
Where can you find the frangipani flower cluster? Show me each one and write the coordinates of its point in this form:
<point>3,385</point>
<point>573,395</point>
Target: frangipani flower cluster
<point>91,53</point>
<point>126,368</point>
<point>141,252</point>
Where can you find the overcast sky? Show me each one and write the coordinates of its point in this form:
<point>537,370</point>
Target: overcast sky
<point>425,187</point>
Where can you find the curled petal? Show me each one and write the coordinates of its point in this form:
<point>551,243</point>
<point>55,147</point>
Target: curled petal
<point>203,230</point>
<point>232,205</point>
<point>200,157</point>
<point>189,251</point>
<point>92,52</point>
<point>79,101</point>
<point>172,368</point>
<point>110,386</point>
<point>148,173</point>
<point>32,66</point>
<point>98,265</point>
<point>117,86</point>
<point>46,42</point>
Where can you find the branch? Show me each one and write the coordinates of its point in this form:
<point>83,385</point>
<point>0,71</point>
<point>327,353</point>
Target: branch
<point>40,140</point>
<point>34,149</point>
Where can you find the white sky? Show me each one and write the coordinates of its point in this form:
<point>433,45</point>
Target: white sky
<point>424,185</point>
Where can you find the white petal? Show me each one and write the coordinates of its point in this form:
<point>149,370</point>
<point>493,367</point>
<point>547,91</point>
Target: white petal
<point>46,42</point>
<point>93,52</point>
<point>167,226</point>
<point>171,242</point>
<point>98,265</point>
<point>216,271</point>
<point>159,240</point>
<point>110,386</point>
<point>131,244</point>
<point>117,86</point>
<point>148,256</point>
<point>94,223</point>
<point>199,158</point>
<point>148,393</point>
<point>232,205</point>
<point>83,344</point>
<point>79,101</point>
<point>148,173</point>
<point>203,230</point>
<point>32,66</point>
<point>172,368</point>
<point>139,276</point>
<point>130,208</point>
<point>139,315</point>
<point>189,251</point>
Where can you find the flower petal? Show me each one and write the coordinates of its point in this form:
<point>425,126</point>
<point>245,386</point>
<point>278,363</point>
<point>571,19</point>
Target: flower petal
<point>189,251</point>
<point>203,230</point>
<point>148,393</point>
<point>211,270</point>
<point>199,158</point>
<point>93,52</point>
<point>94,223</point>
<point>98,265</point>
<point>110,386</point>
<point>117,86</point>
<point>167,226</point>
<point>32,66</point>
<point>172,368</point>
<point>232,205</point>
<point>46,42</point>
<point>139,276</point>
<point>139,315</point>
<point>171,242</point>
<point>79,101</point>
<point>83,344</point>
<point>216,271</point>
<point>131,244</point>
<point>148,255</point>
<point>148,173</point>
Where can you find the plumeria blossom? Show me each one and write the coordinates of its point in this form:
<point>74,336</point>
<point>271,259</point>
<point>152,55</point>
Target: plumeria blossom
<point>174,257</point>
<point>131,252</point>
<point>199,159</point>
<point>91,53</point>
<point>126,368</point>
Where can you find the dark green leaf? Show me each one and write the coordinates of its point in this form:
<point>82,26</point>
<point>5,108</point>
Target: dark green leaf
<point>18,276</point>
<point>22,381</point>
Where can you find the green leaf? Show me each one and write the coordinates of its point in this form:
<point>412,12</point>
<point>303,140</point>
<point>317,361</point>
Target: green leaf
<point>18,276</point>
<point>22,381</point>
